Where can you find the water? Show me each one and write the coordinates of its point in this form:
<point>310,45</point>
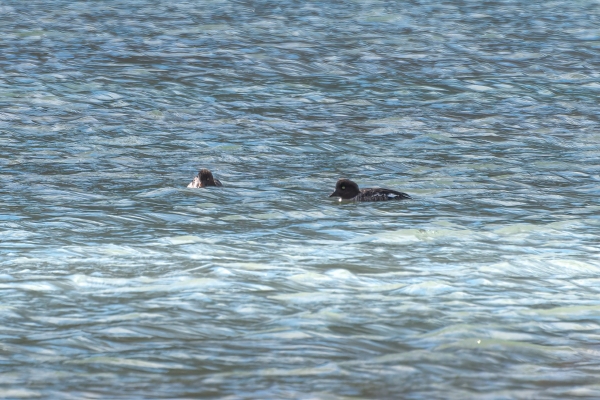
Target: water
<point>119,282</point>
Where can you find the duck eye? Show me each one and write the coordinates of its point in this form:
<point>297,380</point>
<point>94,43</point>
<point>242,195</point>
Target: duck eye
<point>343,187</point>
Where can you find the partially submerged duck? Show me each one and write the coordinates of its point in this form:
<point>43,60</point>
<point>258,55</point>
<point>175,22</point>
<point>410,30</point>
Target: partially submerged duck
<point>204,179</point>
<point>345,189</point>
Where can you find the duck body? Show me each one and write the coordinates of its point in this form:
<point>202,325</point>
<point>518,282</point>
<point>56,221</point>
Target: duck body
<point>203,179</point>
<point>348,190</point>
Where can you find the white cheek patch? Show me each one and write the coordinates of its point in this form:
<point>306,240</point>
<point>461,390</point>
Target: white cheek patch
<point>195,183</point>
<point>392,196</point>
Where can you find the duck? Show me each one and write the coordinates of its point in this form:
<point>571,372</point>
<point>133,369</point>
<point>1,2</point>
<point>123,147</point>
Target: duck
<point>346,189</point>
<point>204,179</point>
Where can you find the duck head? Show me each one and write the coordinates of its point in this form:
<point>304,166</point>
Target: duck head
<point>206,178</point>
<point>345,189</point>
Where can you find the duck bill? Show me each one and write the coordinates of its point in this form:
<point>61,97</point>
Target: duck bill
<point>334,194</point>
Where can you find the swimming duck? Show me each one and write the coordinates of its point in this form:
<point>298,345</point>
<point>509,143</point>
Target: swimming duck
<point>204,179</point>
<point>345,189</point>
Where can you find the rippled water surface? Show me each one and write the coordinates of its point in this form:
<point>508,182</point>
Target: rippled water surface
<point>117,281</point>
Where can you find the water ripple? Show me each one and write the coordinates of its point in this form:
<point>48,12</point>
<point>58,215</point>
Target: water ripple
<point>118,281</point>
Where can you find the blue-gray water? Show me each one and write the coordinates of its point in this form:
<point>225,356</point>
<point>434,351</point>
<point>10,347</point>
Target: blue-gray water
<point>117,281</point>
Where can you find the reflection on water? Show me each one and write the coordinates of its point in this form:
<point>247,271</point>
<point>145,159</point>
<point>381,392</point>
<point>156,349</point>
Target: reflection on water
<point>119,281</point>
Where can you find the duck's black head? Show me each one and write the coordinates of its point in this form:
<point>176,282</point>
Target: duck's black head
<point>206,178</point>
<point>345,189</point>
